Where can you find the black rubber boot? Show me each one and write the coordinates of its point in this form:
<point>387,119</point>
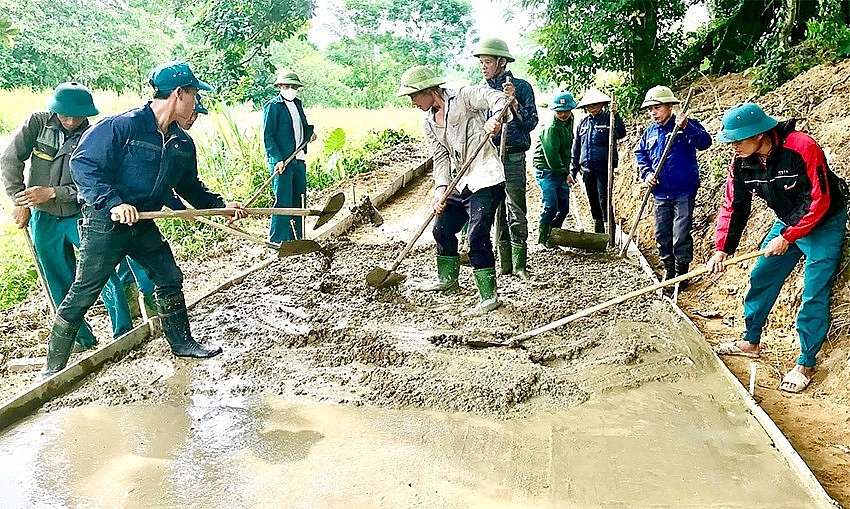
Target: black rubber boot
<point>681,270</point>
<point>669,273</point>
<point>519,254</point>
<point>175,325</point>
<point>448,269</point>
<point>506,262</point>
<point>598,226</point>
<point>59,346</point>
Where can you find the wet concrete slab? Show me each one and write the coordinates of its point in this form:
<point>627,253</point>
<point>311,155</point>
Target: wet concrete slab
<point>689,443</point>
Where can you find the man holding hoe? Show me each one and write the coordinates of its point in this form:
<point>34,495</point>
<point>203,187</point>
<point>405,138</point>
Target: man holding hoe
<point>125,164</point>
<point>454,126</point>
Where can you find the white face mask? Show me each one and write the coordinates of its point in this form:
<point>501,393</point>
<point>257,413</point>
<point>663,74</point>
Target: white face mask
<point>288,94</point>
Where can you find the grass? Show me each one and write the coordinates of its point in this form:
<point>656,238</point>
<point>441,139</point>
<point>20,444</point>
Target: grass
<point>231,162</point>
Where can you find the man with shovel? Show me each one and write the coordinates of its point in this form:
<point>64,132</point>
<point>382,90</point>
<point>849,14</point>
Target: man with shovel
<point>125,164</point>
<point>494,57</point>
<point>454,126</point>
<point>674,186</point>
<point>788,170</point>
<point>285,128</point>
<point>590,152</point>
<point>47,203</point>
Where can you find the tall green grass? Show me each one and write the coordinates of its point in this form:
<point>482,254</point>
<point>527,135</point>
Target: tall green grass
<point>231,161</point>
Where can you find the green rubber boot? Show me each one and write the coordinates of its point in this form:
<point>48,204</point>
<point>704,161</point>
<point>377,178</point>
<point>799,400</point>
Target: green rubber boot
<point>598,226</point>
<point>543,237</point>
<point>151,309</point>
<point>486,281</point>
<point>519,253</point>
<point>506,263</point>
<point>59,346</point>
<point>448,268</point>
<point>131,292</point>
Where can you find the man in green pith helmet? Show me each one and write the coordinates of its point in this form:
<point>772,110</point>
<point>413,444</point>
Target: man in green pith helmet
<point>454,125</point>
<point>788,170</point>
<point>285,128</point>
<point>494,56</point>
<point>47,202</point>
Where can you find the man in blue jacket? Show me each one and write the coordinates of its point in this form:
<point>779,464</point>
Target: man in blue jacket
<point>285,128</point>
<point>513,224</point>
<point>674,186</point>
<point>128,163</point>
<point>590,152</point>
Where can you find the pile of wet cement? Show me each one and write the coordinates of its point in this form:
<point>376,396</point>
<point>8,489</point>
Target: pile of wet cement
<point>295,329</point>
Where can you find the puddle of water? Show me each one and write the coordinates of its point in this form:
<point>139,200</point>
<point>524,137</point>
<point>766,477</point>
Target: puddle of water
<point>689,443</point>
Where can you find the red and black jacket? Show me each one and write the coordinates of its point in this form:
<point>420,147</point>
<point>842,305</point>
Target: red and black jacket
<point>794,180</point>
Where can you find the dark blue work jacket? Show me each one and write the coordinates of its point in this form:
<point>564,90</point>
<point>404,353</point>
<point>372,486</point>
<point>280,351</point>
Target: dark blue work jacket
<point>590,148</point>
<point>519,129</point>
<point>125,159</point>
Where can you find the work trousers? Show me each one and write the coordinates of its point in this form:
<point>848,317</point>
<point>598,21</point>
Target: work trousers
<point>674,220</point>
<point>289,188</point>
<point>54,239</point>
<point>479,210</point>
<point>555,193</point>
<point>104,243</point>
<point>511,216</point>
<point>822,248</point>
<point>596,186</point>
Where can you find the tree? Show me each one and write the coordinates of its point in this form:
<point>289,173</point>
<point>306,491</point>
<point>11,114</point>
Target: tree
<point>237,33</point>
<point>381,38</point>
<point>581,37</point>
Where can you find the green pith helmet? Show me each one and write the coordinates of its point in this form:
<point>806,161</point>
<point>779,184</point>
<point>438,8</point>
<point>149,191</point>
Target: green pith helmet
<point>744,121</point>
<point>563,101</point>
<point>417,79</point>
<point>288,77</point>
<point>72,100</point>
<point>593,96</point>
<point>659,94</point>
<point>495,48</point>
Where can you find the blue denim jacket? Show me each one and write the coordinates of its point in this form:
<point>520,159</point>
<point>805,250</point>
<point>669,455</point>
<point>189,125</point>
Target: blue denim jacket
<point>680,175</point>
<point>125,159</point>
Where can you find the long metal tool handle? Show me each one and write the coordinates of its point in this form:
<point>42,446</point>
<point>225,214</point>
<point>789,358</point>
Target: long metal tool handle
<point>610,187</point>
<point>231,231</point>
<point>268,181</point>
<point>657,174</point>
<point>38,270</point>
<point>449,190</point>
<point>651,288</point>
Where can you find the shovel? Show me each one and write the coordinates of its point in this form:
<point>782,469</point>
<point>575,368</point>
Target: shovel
<point>519,338</point>
<point>333,206</point>
<point>580,239</point>
<point>290,248</point>
<point>648,190</point>
<point>379,277</point>
<point>288,160</point>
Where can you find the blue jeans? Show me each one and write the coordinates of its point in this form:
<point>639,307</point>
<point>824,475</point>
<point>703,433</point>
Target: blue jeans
<point>479,210</point>
<point>54,239</point>
<point>104,243</point>
<point>511,217</point>
<point>674,220</point>
<point>556,197</point>
<point>822,248</point>
<point>288,189</point>
<point>596,185</point>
